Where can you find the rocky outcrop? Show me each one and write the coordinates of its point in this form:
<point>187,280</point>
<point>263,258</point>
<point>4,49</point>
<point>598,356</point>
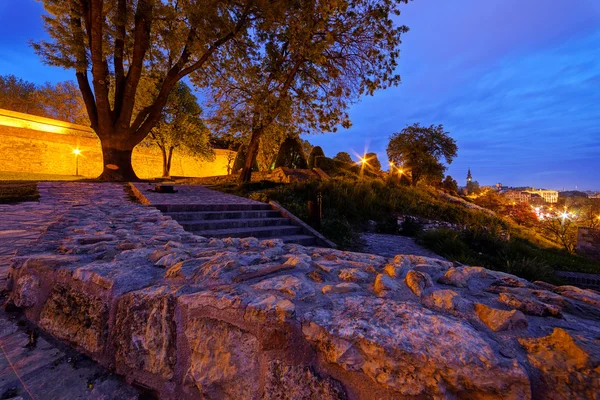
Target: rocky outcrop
<point>241,318</point>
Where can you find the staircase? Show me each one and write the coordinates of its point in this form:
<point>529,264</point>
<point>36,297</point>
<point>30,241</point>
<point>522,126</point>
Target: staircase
<point>237,220</point>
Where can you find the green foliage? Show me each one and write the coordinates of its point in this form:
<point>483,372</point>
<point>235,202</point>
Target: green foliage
<point>17,192</point>
<point>450,185</point>
<point>410,227</point>
<point>420,149</point>
<point>344,157</point>
<point>181,127</point>
<point>315,155</point>
<point>516,256</point>
<point>291,154</point>
<point>373,162</point>
<point>61,101</point>
<point>349,203</point>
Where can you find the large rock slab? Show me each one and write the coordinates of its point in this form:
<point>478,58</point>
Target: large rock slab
<point>188,317</point>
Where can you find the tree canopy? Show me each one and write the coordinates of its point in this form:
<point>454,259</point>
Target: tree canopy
<point>180,127</point>
<point>291,154</point>
<point>61,101</point>
<point>344,157</point>
<point>316,152</point>
<point>373,162</point>
<point>121,42</point>
<point>421,151</point>
<point>305,72</point>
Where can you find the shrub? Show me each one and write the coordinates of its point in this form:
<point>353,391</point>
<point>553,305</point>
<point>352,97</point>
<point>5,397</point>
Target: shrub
<point>410,227</point>
<point>291,154</point>
<point>315,155</point>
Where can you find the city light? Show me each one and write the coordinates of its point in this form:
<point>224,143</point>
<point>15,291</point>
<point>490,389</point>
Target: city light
<point>401,171</point>
<point>76,152</point>
<point>564,215</point>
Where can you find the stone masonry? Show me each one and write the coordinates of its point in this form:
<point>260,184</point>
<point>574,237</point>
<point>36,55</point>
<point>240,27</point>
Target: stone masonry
<point>190,317</point>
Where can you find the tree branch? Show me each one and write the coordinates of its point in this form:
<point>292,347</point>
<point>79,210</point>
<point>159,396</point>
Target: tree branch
<point>119,55</point>
<point>141,36</point>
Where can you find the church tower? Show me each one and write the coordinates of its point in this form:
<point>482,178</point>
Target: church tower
<point>469,177</point>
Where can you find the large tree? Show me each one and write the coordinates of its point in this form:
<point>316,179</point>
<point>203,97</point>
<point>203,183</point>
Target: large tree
<point>121,42</point>
<point>421,150</point>
<point>307,70</point>
<point>180,127</point>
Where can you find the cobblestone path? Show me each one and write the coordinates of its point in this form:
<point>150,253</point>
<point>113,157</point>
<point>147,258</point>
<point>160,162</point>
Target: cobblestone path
<point>33,365</point>
<point>390,245</point>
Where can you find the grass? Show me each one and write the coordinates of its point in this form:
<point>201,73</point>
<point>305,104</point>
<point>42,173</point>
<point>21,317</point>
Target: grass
<point>15,192</point>
<point>348,205</point>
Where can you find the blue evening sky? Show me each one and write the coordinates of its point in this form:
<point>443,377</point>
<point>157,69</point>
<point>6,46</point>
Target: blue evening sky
<point>515,82</point>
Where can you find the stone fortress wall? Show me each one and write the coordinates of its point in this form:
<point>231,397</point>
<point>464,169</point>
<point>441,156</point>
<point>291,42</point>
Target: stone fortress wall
<point>29,143</point>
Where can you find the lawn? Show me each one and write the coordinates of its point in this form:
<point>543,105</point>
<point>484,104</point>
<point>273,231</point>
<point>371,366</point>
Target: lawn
<point>14,192</point>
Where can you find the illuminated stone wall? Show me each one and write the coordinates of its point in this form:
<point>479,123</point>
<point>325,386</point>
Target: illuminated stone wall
<point>41,145</point>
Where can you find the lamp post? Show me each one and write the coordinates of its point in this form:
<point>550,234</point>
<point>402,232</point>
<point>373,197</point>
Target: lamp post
<point>77,152</point>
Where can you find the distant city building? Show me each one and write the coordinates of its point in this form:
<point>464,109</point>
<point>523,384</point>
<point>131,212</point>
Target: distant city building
<point>469,177</point>
<point>549,196</point>
<point>498,187</point>
<point>517,196</point>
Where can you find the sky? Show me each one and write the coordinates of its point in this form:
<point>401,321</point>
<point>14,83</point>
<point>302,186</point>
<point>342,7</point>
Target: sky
<point>515,82</point>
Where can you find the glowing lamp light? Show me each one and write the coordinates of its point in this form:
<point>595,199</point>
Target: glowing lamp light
<point>564,215</point>
<point>401,171</point>
<point>76,152</point>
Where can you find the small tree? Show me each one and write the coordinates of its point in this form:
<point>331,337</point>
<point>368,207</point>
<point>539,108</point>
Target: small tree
<point>344,157</point>
<point>315,153</point>
<point>450,185</point>
<point>181,127</point>
<point>420,149</point>
<point>562,229</point>
<point>291,155</point>
<point>373,162</point>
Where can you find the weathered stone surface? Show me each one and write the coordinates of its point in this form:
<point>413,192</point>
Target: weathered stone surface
<point>223,361</point>
<point>384,283</point>
<point>26,292</point>
<point>244,318</point>
<point>411,350</point>
<point>418,281</point>
<point>77,317</point>
<point>500,320</point>
<point>569,366</point>
<point>529,305</point>
<point>288,284</point>
<point>286,382</point>
<point>145,338</point>
<point>587,296</point>
<point>341,288</point>
<point>460,276</point>
<point>446,299</point>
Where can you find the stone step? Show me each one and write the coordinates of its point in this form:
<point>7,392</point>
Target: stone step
<point>168,208</point>
<point>212,215</point>
<point>304,240</point>
<point>194,226</point>
<point>258,232</point>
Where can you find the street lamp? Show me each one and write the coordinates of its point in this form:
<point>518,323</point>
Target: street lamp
<point>77,152</point>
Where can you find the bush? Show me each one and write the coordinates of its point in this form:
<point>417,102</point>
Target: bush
<point>315,155</point>
<point>291,155</point>
<point>410,227</point>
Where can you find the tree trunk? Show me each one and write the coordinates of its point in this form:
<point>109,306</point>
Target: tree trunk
<point>117,163</point>
<point>251,153</point>
<point>165,168</point>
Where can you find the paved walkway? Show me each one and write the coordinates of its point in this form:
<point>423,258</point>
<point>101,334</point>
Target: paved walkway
<point>390,245</point>
<point>32,364</point>
<point>190,194</point>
